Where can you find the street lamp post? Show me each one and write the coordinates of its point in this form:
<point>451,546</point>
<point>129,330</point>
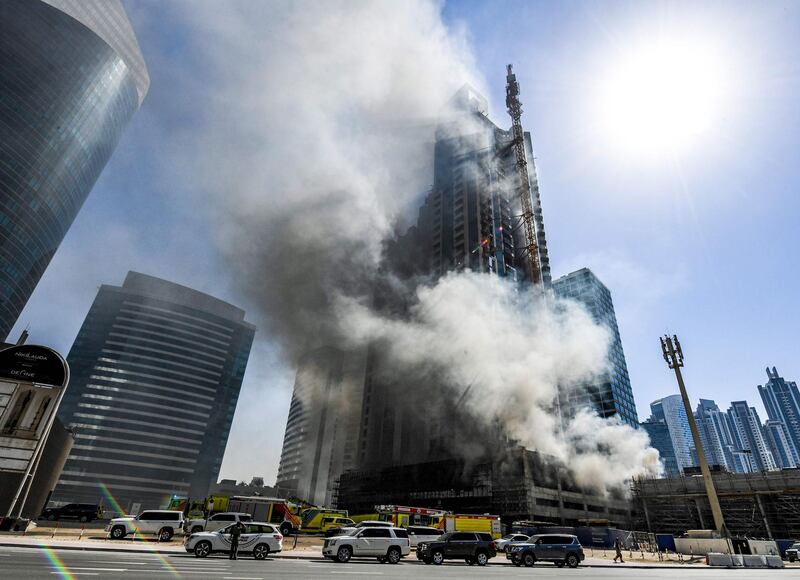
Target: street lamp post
<point>674,357</point>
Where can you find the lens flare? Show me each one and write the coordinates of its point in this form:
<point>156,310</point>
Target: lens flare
<point>56,563</point>
<point>136,532</point>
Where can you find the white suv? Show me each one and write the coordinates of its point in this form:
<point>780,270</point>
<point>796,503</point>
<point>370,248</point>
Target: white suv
<point>388,544</point>
<point>162,523</point>
<point>258,538</point>
<point>216,522</point>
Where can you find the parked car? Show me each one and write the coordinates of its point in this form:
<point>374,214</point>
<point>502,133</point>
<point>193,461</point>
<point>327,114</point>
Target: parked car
<point>215,522</point>
<point>388,544</point>
<point>417,534</point>
<point>332,526</point>
<point>503,543</point>
<point>558,549</point>
<point>793,553</point>
<point>346,530</point>
<point>162,523</point>
<point>258,538</point>
<point>472,547</point>
<point>84,512</point>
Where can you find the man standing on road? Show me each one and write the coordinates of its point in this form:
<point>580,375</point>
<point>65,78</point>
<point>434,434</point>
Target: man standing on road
<point>236,531</point>
<point>618,548</point>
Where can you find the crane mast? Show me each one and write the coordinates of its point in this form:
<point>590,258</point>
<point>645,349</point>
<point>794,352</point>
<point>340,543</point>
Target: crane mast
<point>514,107</point>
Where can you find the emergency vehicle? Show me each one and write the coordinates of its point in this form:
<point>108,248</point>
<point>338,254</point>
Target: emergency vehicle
<point>271,510</point>
<point>404,516</point>
<point>472,523</point>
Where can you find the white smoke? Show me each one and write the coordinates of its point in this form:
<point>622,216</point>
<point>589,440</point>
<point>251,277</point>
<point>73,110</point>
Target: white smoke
<point>315,139</point>
<point>513,349</point>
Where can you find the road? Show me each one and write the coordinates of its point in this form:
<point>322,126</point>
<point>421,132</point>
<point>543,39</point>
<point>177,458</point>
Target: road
<point>30,564</point>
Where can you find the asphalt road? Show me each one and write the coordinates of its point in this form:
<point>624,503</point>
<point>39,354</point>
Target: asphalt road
<point>29,564</point>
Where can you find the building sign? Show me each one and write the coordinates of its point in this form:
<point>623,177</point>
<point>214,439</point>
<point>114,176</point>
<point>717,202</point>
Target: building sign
<point>33,364</point>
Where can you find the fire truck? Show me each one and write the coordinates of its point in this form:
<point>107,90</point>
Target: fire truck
<point>472,523</point>
<point>272,510</point>
<point>404,516</point>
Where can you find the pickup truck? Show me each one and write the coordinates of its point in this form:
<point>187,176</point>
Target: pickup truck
<point>216,522</point>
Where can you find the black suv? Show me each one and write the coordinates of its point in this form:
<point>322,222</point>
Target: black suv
<point>558,549</point>
<point>472,547</point>
<point>84,512</point>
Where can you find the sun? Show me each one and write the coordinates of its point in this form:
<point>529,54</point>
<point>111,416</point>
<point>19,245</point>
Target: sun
<point>660,98</point>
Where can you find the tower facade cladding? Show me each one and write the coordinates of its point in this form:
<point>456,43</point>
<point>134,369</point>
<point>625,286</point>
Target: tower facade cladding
<point>321,438</point>
<point>782,401</point>
<point>71,80</point>
<point>611,394</point>
<point>156,373</point>
<point>469,218</point>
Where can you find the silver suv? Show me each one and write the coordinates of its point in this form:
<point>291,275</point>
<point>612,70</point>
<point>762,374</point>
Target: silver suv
<point>388,544</point>
<point>560,549</point>
<point>216,522</point>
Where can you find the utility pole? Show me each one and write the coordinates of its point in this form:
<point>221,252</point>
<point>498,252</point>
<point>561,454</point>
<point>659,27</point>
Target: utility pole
<point>673,354</point>
<point>514,107</point>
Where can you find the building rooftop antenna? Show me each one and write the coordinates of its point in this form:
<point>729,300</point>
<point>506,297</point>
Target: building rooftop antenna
<point>514,107</point>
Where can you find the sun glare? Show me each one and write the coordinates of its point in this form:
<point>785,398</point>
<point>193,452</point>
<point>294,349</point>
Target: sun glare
<point>660,98</point>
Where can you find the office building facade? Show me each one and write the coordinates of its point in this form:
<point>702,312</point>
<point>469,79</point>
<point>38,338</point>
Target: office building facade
<point>671,410</point>
<point>782,401</point>
<point>660,439</point>
<point>782,449</point>
<point>718,442</point>
<point>156,373</point>
<point>611,395</point>
<point>749,436</point>
<point>321,437</point>
<point>71,80</point>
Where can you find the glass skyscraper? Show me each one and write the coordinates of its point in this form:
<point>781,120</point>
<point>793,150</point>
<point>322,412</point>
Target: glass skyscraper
<point>782,400</point>
<point>156,372</point>
<point>612,395</point>
<point>749,435</point>
<point>660,439</point>
<point>71,78</point>
<point>671,410</point>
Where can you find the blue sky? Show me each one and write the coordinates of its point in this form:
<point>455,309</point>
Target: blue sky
<point>699,241</point>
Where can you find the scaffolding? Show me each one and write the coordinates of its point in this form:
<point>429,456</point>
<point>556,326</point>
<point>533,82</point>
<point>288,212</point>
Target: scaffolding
<point>755,505</point>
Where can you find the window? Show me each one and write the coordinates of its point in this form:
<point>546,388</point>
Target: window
<point>245,518</point>
<point>485,537</point>
<point>400,533</point>
<point>462,537</point>
<point>520,538</point>
<point>326,521</point>
<point>376,533</point>
<point>257,529</point>
<point>147,516</point>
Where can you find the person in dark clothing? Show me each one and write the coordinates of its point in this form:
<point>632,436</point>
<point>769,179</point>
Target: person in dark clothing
<point>236,531</point>
<point>618,548</point>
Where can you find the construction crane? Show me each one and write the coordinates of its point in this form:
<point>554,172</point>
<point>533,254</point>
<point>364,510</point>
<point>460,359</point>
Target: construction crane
<point>514,107</point>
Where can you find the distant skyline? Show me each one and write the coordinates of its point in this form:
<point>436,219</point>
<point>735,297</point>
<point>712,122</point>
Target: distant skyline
<point>699,242</point>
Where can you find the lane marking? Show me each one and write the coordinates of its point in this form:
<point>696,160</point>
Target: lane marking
<point>243,578</point>
<point>78,573</point>
<point>351,572</point>
<point>98,569</point>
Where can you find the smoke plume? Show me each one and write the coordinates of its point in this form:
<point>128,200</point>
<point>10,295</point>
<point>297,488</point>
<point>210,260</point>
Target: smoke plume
<point>320,121</point>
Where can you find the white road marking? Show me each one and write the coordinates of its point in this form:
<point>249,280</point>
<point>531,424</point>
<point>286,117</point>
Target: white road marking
<point>78,573</point>
<point>243,578</point>
<point>98,569</point>
<point>351,572</point>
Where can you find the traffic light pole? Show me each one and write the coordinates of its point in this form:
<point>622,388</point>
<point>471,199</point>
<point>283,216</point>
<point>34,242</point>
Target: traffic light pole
<point>674,357</point>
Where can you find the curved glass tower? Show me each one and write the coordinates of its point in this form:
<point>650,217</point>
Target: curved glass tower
<point>71,78</point>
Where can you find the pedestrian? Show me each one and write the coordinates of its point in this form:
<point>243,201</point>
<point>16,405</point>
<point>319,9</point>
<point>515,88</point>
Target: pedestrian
<point>618,548</point>
<point>236,531</point>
